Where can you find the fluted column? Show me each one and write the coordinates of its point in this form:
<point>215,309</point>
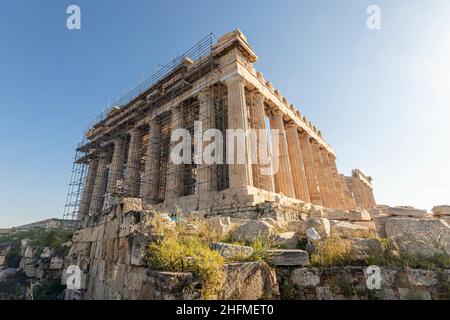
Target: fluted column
<point>296,161</point>
<point>340,185</point>
<point>283,178</point>
<point>150,193</point>
<point>88,188</point>
<point>174,181</point>
<point>240,174</point>
<point>329,179</point>
<point>133,170</point>
<point>116,165</point>
<point>206,173</point>
<point>262,167</point>
<point>101,180</point>
<point>349,200</point>
<point>321,174</point>
<point>310,171</point>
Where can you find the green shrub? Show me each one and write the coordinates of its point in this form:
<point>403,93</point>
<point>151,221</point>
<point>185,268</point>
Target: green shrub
<point>333,251</point>
<point>189,254</point>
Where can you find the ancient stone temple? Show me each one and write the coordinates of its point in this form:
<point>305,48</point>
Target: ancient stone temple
<point>127,150</point>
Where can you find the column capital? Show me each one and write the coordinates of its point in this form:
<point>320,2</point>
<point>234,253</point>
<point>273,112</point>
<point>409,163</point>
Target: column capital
<point>204,95</point>
<point>277,112</point>
<point>234,78</point>
<point>259,97</point>
<point>291,125</point>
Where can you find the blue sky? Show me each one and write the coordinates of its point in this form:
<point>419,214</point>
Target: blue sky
<point>381,98</point>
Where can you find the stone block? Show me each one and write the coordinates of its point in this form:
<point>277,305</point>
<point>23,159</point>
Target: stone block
<point>441,211</point>
<point>28,252</point>
<point>253,230</point>
<point>322,226</point>
<point>232,251</point>
<point>111,229</point>
<point>56,263</point>
<point>138,247</point>
<point>405,212</point>
<point>46,253</point>
<point>249,281</point>
<point>422,278</point>
<point>312,235</point>
<point>288,240</point>
<point>303,277</point>
<point>280,257</point>
<point>297,226</point>
<point>30,270</point>
<point>318,212</point>
<point>422,237</point>
<point>337,214</point>
<point>359,215</point>
<point>350,230</point>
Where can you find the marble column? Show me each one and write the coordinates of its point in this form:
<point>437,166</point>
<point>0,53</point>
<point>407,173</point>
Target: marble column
<point>329,179</point>
<point>296,161</point>
<point>310,171</point>
<point>88,188</point>
<point>321,174</point>
<point>174,180</point>
<point>116,165</point>
<point>150,194</point>
<point>338,185</point>
<point>133,169</point>
<point>240,174</point>
<point>100,184</point>
<point>283,177</point>
<point>263,166</point>
<point>206,173</point>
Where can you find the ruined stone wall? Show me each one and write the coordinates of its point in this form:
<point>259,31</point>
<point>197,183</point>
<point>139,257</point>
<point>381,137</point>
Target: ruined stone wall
<point>350,283</point>
<point>111,256</point>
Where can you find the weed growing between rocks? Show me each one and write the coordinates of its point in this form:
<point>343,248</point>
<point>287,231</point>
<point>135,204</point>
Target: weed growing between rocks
<point>392,257</point>
<point>333,251</point>
<point>184,253</point>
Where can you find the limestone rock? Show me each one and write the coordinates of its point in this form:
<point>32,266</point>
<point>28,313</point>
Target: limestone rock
<point>297,226</point>
<point>138,250</point>
<point>404,212</point>
<point>422,278</point>
<point>220,225</point>
<point>249,281</point>
<point>25,242</point>
<point>279,257</point>
<point>46,253</point>
<point>30,270</point>
<point>322,226</point>
<point>441,211</point>
<point>231,251</point>
<point>2,261</point>
<point>318,212</point>
<point>288,240</point>
<point>359,215</point>
<point>375,212</point>
<point>28,252</point>
<point>423,237</point>
<point>303,277</point>
<point>350,230</point>
<point>364,248</point>
<point>254,230</point>
<point>313,235</point>
<point>56,263</point>
<point>380,225</point>
<point>338,214</point>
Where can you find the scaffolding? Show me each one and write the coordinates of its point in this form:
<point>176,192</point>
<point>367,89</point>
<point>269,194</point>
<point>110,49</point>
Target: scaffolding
<point>176,82</point>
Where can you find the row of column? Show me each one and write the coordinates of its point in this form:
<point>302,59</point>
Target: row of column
<point>306,170</point>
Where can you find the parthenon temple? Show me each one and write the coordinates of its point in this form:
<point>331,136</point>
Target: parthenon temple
<point>126,151</point>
